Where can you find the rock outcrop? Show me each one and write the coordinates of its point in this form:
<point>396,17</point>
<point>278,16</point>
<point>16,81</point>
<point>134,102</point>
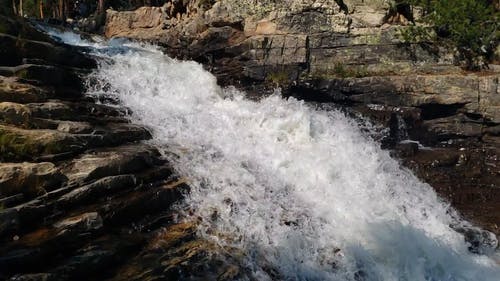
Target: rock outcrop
<point>290,39</point>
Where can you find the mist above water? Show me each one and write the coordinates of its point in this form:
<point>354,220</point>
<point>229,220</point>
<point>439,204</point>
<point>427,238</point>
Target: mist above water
<point>303,193</point>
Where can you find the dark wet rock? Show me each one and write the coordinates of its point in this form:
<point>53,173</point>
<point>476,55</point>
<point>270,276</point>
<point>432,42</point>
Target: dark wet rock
<point>9,220</point>
<point>67,249</point>
<point>399,122</point>
<point>58,77</point>
<point>109,162</point>
<point>56,115</point>
<point>74,127</point>
<point>81,223</point>
<point>13,200</point>
<point>95,259</point>
<point>35,249</point>
<point>33,277</point>
<point>492,130</point>
<point>30,179</point>
<point>464,172</point>
<point>119,133</point>
<point>17,49</point>
<point>407,149</point>
<point>16,219</point>
<point>457,126</point>
<point>52,110</point>
<point>54,145</point>
<point>21,42</point>
<point>176,253</point>
<point>21,28</point>
<point>155,174</point>
<point>73,111</point>
<point>15,114</point>
<point>19,144</point>
<point>100,187</point>
<point>11,90</point>
<point>141,204</point>
<point>480,241</point>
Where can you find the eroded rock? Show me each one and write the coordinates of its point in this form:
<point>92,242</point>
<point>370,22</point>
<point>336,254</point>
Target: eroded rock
<point>30,179</point>
<point>109,162</point>
<point>81,223</point>
<point>11,90</point>
<point>18,144</point>
<point>100,187</point>
<point>15,114</point>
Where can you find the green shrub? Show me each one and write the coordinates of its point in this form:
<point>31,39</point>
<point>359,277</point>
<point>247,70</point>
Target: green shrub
<point>278,78</point>
<point>343,71</point>
<point>470,26</point>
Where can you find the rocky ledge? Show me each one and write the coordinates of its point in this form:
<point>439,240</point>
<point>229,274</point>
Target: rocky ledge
<point>82,195</point>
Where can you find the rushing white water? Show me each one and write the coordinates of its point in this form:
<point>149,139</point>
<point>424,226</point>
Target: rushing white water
<point>300,191</point>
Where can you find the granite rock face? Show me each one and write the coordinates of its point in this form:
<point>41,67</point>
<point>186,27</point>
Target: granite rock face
<point>280,41</point>
<point>340,51</point>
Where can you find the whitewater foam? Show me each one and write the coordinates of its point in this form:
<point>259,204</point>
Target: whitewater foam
<point>298,190</point>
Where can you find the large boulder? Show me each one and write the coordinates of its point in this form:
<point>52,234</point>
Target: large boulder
<point>144,23</point>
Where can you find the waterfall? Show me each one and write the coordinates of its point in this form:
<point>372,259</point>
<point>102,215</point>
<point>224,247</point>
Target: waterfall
<point>298,190</point>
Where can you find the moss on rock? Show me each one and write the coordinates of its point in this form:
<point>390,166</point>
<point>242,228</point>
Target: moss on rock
<point>20,144</point>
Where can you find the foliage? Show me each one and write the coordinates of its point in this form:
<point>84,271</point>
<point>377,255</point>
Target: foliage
<point>278,77</point>
<point>5,7</point>
<point>470,26</point>
<point>340,70</point>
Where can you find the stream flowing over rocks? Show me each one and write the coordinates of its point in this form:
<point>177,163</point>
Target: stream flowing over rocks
<point>348,53</point>
<point>279,189</point>
<point>119,162</point>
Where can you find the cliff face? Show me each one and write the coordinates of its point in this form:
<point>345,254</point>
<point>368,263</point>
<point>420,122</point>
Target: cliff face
<point>291,39</point>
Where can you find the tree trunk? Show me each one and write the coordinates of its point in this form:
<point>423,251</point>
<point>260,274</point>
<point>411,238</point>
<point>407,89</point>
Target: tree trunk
<point>61,10</point>
<point>21,12</point>
<point>14,8</point>
<point>41,8</point>
<point>100,7</point>
<point>49,7</point>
